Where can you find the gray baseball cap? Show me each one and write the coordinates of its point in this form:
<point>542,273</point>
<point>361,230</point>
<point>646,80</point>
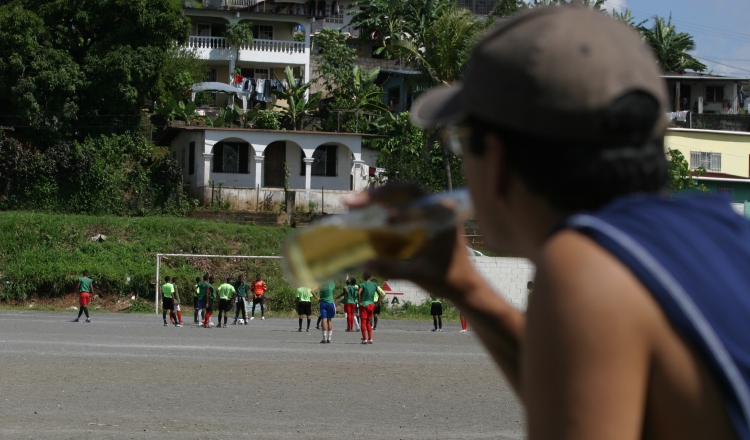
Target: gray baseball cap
<point>551,72</point>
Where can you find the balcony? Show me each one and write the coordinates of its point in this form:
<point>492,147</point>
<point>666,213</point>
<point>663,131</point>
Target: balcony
<point>263,51</point>
<point>711,121</point>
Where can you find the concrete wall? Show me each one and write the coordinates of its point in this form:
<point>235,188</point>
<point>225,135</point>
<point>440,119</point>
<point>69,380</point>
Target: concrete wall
<point>507,275</point>
<point>271,199</point>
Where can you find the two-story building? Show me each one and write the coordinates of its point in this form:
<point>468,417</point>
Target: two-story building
<point>247,167</point>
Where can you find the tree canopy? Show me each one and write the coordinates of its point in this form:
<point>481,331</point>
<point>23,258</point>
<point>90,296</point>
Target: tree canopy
<point>67,63</point>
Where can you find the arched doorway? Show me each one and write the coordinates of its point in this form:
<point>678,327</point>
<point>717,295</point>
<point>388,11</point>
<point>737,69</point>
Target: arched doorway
<point>273,165</point>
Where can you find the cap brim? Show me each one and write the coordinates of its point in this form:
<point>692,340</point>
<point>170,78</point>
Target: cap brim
<point>439,106</point>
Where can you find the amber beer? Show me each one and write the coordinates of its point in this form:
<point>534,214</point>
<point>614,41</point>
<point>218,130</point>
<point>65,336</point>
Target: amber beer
<point>337,244</point>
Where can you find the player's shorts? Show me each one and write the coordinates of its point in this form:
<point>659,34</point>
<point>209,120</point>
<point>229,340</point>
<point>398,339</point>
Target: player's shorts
<point>195,303</point>
<point>168,304</point>
<point>304,308</point>
<point>225,305</point>
<point>176,307</point>
<point>327,310</point>
<point>201,304</point>
<point>84,298</point>
<point>366,312</point>
<point>377,309</point>
<point>259,299</point>
<point>210,306</point>
<point>436,309</point>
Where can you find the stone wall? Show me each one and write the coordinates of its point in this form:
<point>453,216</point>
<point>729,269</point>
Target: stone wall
<point>507,275</point>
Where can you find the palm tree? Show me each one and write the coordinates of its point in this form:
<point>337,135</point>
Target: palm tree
<point>441,54</point>
<point>671,46</point>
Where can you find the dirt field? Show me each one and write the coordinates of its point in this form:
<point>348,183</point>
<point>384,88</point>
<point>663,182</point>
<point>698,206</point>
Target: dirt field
<point>127,376</point>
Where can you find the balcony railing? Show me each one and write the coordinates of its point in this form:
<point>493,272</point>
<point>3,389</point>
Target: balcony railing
<point>284,46</point>
<point>238,5</point>
<point>280,46</point>
<point>199,42</point>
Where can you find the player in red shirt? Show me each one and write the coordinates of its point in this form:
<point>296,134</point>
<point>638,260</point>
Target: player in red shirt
<point>259,288</point>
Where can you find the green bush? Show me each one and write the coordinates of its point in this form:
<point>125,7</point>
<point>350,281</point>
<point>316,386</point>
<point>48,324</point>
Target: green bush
<point>113,175</point>
<point>268,120</point>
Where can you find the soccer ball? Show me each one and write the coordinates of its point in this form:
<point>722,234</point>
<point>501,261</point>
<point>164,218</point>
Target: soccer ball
<point>240,321</point>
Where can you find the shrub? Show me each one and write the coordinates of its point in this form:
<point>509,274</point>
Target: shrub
<point>268,120</point>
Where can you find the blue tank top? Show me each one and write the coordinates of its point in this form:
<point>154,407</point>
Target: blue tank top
<point>693,255</point>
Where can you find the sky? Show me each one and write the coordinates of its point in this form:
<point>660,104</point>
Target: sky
<point>720,29</point>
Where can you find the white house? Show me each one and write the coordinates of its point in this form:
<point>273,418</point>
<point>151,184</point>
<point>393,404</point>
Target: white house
<point>247,166</point>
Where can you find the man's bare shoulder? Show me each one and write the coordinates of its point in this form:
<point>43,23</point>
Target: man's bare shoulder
<point>598,342</point>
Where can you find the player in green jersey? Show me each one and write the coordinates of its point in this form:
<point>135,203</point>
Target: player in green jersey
<point>327,305</point>
<point>304,306</point>
<point>195,301</point>
<point>241,288</point>
<point>367,292</point>
<point>226,292</point>
<point>85,290</point>
<point>167,292</point>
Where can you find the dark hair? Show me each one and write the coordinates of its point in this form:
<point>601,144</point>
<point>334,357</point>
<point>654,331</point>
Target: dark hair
<point>366,276</point>
<point>229,279</point>
<point>197,279</point>
<point>353,281</point>
<point>167,279</point>
<point>174,279</point>
<point>205,277</point>
<point>85,273</point>
<point>573,176</point>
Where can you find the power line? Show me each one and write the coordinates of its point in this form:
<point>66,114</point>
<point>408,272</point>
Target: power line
<point>722,64</point>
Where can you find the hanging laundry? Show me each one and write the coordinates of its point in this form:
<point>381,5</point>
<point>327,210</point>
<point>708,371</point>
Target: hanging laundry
<point>322,8</point>
<point>267,91</point>
<point>335,8</point>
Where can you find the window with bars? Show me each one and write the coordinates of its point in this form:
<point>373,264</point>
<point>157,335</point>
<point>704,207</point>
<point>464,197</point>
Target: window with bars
<point>262,32</point>
<point>182,159</point>
<point>709,161</point>
<point>324,162</point>
<point>714,93</point>
<point>725,192</point>
<point>231,157</point>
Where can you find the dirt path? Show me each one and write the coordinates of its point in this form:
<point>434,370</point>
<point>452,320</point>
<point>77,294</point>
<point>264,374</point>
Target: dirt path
<point>127,376</point>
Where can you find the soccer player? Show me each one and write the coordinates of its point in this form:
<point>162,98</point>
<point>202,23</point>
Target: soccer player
<point>241,288</point>
<point>196,294</point>
<point>436,310</point>
<point>379,298</point>
<point>350,296</point>
<point>366,300</point>
<point>327,309</point>
<point>259,289</point>
<point>637,327</point>
<point>210,301</point>
<point>85,288</point>
<point>177,300</point>
<point>167,301</point>
<point>304,306</point>
<point>226,292</point>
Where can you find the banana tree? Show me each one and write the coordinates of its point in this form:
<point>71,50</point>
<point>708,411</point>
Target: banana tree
<point>298,105</point>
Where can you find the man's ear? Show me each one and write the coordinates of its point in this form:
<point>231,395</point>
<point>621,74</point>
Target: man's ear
<point>499,172</point>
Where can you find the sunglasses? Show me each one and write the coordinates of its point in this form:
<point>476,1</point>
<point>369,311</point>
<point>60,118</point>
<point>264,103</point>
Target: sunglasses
<point>457,137</point>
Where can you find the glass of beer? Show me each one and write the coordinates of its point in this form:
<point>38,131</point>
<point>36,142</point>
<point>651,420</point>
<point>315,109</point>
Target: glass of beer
<point>337,244</point>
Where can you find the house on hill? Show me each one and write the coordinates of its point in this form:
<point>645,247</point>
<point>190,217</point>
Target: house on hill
<point>246,167</point>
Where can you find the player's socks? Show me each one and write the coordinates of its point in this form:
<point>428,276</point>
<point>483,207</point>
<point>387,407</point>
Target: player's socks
<point>330,333</point>
<point>376,323</point>
<point>179,317</point>
<point>308,324</point>
<point>300,324</point>
<point>225,320</point>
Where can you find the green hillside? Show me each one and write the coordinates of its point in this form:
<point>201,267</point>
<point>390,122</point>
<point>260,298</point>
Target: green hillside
<point>43,254</point>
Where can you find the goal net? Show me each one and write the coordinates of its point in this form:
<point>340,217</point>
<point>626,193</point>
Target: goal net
<point>161,257</point>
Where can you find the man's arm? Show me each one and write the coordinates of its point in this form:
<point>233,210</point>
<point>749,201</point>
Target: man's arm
<point>91,288</point>
<point>176,295</point>
<point>314,291</point>
<point>586,361</point>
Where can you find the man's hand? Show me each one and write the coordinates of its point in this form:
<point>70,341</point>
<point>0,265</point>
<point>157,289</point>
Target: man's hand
<point>442,265</point>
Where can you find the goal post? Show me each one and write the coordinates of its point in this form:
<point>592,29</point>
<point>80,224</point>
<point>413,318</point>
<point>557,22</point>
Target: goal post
<point>158,267</point>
